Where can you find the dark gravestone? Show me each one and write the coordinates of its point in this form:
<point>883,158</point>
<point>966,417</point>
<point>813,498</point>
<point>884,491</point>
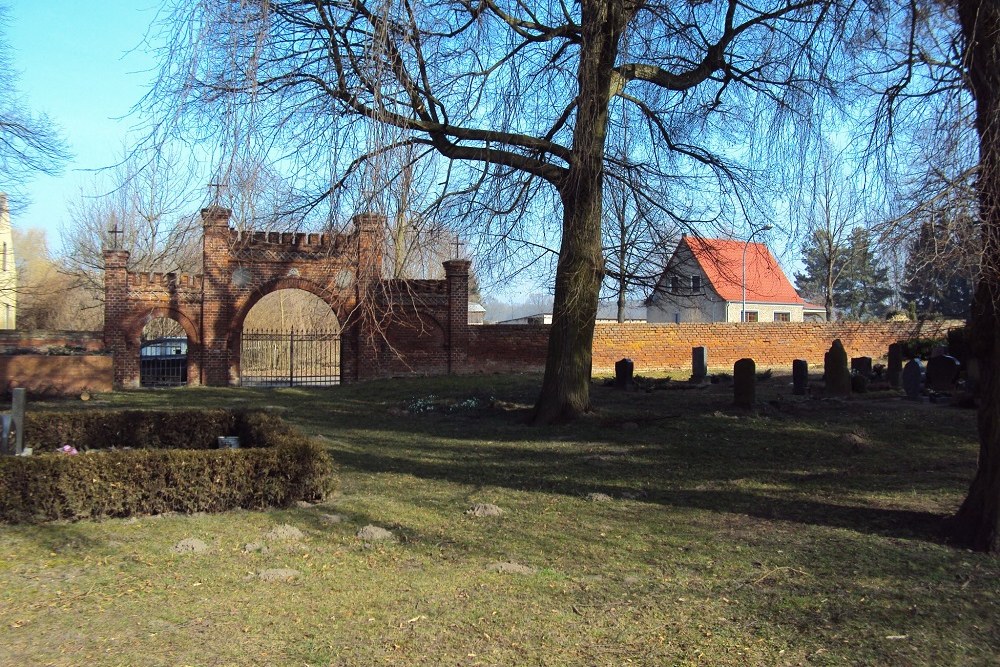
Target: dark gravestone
<point>913,379</point>
<point>836,376</point>
<point>745,383</point>
<point>895,367</point>
<point>800,377</point>
<point>942,372</point>
<point>624,370</point>
<point>862,366</point>
<point>699,363</point>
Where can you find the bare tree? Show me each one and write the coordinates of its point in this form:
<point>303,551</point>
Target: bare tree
<point>143,206</point>
<point>829,209</point>
<point>29,142</point>
<point>522,99</point>
<point>977,523</point>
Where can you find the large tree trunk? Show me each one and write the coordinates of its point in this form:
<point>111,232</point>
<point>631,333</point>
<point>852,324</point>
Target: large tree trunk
<point>977,523</point>
<point>566,387</point>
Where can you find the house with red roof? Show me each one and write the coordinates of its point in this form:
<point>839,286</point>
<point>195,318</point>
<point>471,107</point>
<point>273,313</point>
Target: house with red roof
<point>704,282</point>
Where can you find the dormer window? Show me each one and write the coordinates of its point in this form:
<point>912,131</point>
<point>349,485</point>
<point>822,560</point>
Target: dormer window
<point>675,284</point>
<point>695,283</point>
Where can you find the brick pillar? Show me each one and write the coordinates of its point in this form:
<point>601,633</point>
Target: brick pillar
<point>216,304</point>
<point>456,273</point>
<point>125,358</point>
<point>365,337</point>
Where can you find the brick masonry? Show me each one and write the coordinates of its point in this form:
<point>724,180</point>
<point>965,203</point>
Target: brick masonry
<point>56,375</point>
<point>667,347</point>
<point>413,327</point>
<point>388,327</point>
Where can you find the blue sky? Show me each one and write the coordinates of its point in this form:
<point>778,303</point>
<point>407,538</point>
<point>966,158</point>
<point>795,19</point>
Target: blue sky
<point>84,64</point>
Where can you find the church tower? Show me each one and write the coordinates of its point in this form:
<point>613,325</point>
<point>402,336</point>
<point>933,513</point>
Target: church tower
<point>8,270</point>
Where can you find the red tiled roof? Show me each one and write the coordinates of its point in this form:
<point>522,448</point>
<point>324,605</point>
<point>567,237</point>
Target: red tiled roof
<point>722,262</point>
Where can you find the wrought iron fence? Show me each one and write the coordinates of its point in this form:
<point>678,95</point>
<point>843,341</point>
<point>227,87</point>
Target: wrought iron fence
<point>290,358</point>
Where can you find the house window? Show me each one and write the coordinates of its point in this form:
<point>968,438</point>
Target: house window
<point>782,317</point>
<point>675,283</point>
<point>695,283</point>
<point>677,318</point>
<point>750,316</point>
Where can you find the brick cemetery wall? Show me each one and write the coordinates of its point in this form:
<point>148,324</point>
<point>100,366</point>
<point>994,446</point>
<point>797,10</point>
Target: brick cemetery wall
<point>667,347</point>
<point>56,375</point>
<point>45,342</point>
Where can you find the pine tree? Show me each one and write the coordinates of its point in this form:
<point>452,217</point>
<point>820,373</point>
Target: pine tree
<point>845,276</point>
<point>939,272</point>
<point>865,281</point>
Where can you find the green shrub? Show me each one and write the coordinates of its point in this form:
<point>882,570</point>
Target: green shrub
<point>274,466</point>
<point>920,348</point>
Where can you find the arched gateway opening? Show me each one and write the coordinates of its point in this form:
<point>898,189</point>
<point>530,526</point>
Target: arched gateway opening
<point>360,325</point>
<point>163,354</point>
<point>290,338</point>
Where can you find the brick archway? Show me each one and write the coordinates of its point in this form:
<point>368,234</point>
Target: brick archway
<point>241,267</point>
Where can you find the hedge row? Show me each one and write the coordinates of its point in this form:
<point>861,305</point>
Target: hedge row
<point>275,466</point>
<point>145,429</point>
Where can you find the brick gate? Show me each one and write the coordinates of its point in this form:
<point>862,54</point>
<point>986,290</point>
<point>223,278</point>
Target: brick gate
<point>388,327</point>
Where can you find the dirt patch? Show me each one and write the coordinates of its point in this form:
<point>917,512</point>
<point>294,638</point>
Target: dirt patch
<point>190,545</point>
<point>330,519</point>
<point>284,533</point>
<point>372,533</point>
<point>483,510</point>
<point>510,568</point>
<point>279,574</point>
<point>599,498</point>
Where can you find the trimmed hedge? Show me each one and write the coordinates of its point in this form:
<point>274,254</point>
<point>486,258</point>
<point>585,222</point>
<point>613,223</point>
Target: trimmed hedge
<point>274,466</point>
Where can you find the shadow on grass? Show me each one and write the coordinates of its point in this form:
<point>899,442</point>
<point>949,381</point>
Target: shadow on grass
<point>536,475</point>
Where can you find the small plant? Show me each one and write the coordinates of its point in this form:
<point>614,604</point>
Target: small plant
<point>70,450</point>
<point>765,375</point>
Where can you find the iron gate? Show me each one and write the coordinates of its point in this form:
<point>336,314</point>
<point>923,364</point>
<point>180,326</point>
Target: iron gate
<point>290,358</point>
<point>163,362</point>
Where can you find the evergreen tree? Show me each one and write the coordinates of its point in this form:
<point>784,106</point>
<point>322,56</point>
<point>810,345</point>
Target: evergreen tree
<point>865,286</point>
<point>845,276</point>
<point>825,259</point>
<point>939,271</point>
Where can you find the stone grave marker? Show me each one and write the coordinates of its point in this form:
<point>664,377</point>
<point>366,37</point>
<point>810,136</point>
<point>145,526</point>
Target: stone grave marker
<point>745,383</point>
<point>836,377</point>
<point>699,363</point>
<point>862,366</point>
<point>942,372</point>
<point>913,380</point>
<point>895,366</point>
<point>624,370</point>
<point>800,377</point>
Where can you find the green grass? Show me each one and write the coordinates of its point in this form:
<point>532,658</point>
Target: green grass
<point>806,533</point>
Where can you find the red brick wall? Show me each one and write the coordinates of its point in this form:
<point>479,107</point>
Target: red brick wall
<point>56,375</point>
<point>667,347</point>
<point>43,341</point>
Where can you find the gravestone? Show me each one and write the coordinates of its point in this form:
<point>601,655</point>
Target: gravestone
<point>862,366</point>
<point>699,363</point>
<point>17,404</point>
<point>913,379</point>
<point>895,367</point>
<point>745,383</point>
<point>800,377</point>
<point>624,369</point>
<point>942,372</point>
<point>836,377</point>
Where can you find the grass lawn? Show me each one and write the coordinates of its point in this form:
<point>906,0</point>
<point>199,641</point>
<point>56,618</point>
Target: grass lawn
<point>806,533</point>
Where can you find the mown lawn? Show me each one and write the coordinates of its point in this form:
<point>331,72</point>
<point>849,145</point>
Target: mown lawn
<point>806,533</point>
